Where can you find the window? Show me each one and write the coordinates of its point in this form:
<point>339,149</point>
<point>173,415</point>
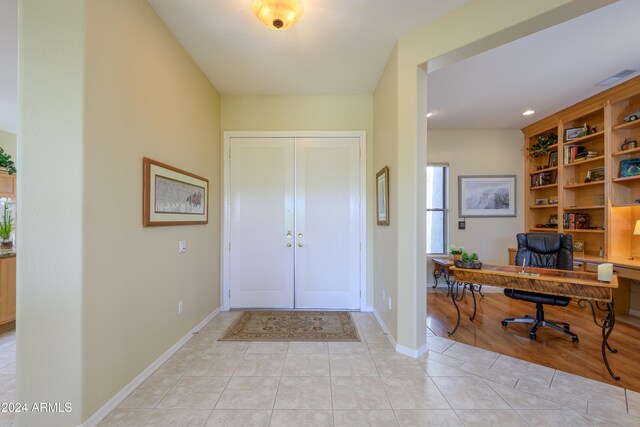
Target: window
<point>437,212</point>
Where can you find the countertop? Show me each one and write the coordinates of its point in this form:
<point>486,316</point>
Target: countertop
<point>7,252</point>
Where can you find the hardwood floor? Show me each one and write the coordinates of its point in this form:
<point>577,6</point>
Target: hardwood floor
<point>552,349</point>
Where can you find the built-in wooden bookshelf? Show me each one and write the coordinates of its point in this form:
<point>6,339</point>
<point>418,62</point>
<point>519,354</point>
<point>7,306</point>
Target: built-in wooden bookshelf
<point>594,175</point>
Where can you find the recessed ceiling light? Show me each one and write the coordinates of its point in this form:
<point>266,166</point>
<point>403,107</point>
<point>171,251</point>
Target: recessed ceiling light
<point>528,113</point>
<point>429,114</point>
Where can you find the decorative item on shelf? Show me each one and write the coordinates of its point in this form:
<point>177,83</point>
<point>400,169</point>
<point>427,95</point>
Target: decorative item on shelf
<point>6,164</point>
<point>542,144</point>
<point>632,117</point>
<point>6,225</point>
<point>578,248</point>
<point>468,261</point>
<point>541,202</point>
<point>595,174</point>
<point>553,200</point>
<point>593,129</point>
<point>571,181</point>
<point>591,154</point>
<point>628,144</point>
<point>601,252</point>
<point>553,220</point>
<point>543,178</point>
<point>455,251</point>
<point>629,167</point>
<point>553,159</point>
<point>574,133</point>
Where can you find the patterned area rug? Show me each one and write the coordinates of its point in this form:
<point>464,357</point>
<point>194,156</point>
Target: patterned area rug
<point>292,326</point>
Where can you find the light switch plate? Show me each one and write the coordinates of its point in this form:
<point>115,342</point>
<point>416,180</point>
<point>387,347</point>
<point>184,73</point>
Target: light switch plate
<point>182,246</point>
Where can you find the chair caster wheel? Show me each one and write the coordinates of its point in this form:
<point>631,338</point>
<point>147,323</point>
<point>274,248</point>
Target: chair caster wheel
<point>575,339</point>
<point>532,336</point>
<point>504,323</point>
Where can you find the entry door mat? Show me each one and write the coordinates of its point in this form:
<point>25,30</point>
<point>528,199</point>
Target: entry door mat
<point>270,325</point>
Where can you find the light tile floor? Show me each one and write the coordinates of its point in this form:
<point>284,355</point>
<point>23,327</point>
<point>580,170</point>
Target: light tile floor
<point>7,373</point>
<point>210,383</point>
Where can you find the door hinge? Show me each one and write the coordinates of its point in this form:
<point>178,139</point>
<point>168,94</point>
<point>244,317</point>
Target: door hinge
<point>229,293</point>
<point>229,246</point>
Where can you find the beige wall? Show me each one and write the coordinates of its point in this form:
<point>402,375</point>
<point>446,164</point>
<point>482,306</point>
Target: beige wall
<point>137,94</point>
<point>309,113</point>
<point>385,264</point>
<point>8,143</point>
<point>481,152</point>
<point>50,253</point>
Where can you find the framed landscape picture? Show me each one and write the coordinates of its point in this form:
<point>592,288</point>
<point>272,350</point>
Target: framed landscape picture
<point>172,196</point>
<point>487,196</point>
<point>382,196</point>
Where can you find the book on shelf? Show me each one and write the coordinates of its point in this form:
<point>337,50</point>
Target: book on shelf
<point>575,221</point>
<point>574,152</point>
<point>543,178</point>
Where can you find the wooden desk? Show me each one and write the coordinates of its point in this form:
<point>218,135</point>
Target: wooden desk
<point>581,285</point>
<point>441,269</point>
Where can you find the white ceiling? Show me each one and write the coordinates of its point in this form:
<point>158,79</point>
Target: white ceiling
<point>341,47</point>
<point>545,72</point>
<point>338,47</point>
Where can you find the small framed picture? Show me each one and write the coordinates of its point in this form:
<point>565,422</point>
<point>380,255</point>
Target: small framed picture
<point>382,196</point>
<point>630,167</point>
<point>574,133</point>
<point>553,219</point>
<point>578,248</point>
<point>541,202</point>
<point>596,174</point>
<point>553,159</point>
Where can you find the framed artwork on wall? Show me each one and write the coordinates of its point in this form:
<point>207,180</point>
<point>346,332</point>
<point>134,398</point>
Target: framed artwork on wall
<point>487,196</point>
<point>172,196</point>
<point>382,196</point>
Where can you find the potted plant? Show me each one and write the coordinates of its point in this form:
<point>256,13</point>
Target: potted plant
<point>6,227</point>
<point>542,144</point>
<point>6,163</point>
<point>468,261</point>
<point>455,251</point>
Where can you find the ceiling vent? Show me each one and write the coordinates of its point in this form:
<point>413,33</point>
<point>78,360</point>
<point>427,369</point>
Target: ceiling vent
<point>615,78</point>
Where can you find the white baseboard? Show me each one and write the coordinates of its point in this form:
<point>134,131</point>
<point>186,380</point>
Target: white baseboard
<point>634,312</point>
<point>367,309</point>
<point>399,348</point>
<point>135,383</point>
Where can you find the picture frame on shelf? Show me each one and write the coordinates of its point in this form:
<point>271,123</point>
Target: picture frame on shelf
<point>541,202</point>
<point>172,196</point>
<point>487,196</point>
<point>629,167</point>
<point>574,133</point>
<point>595,174</point>
<point>578,248</point>
<point>382,196</point>
<point>553,159</point>
<point>553,200</point>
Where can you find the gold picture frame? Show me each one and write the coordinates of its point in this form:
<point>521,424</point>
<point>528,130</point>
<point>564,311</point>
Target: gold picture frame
<point>382,196</point>
<point>172,196</point>
<point>578,248</point>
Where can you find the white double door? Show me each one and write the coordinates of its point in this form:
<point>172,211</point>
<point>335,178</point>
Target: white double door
<point>294,225</point>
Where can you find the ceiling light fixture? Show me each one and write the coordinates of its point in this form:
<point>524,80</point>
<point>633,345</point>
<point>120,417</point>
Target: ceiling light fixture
<point>278,14</point>
<point>528,113</point>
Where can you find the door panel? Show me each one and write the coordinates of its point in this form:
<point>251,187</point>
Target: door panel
<point>327,268</point>
<point>261,215</point>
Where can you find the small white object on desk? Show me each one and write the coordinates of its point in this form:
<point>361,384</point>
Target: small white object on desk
<point>605,272</point>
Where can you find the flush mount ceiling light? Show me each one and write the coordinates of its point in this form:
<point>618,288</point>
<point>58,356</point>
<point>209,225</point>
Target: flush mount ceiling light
<point>278,14</point>
<point>528,113</point>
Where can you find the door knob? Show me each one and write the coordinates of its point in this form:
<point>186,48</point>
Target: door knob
<point>299,234</point>
<point>289,235</point>
<point>288,245</point>
<point>300,245</point>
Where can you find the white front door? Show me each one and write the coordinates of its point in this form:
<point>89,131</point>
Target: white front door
<point>261,223</point>
<point>327,265</point>
<point>294,223</point>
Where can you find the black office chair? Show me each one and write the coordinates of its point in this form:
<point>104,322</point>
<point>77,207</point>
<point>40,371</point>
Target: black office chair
<point>544,250</point>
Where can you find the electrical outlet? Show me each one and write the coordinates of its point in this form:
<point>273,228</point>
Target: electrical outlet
<point>182,246</point>
<point>389,303</point>
<point>180,307</point>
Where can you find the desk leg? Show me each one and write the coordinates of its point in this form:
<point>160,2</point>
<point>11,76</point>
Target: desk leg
<point>454,298</point>
<point>474,288</point>
<point>606,324</point>
<point>436,274</point>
